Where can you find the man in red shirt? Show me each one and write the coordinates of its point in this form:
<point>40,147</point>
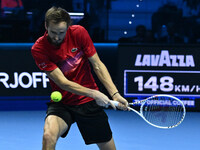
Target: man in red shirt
<point>64,53</point>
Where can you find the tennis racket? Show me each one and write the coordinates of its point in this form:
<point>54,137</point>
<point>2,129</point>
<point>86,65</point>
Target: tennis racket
<point>161,111</point>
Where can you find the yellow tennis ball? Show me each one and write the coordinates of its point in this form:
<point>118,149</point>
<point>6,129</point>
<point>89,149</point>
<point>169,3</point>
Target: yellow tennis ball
<point>56,96</point>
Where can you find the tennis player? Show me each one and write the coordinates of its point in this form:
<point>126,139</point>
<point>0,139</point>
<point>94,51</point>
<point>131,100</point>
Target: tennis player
<point>64,53</point>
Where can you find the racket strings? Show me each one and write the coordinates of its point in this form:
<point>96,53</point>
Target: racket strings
<point>162,111</point>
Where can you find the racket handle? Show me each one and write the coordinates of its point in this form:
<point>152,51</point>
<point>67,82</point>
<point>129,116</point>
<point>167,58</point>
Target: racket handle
<point>116,103</point>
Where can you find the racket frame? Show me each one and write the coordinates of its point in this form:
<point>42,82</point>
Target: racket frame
<point>142,102</point>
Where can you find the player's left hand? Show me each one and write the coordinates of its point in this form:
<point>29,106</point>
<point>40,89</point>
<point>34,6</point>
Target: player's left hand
<point>123,103</point>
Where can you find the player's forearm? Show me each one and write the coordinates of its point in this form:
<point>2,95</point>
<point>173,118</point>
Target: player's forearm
<point>70,86</point>
<point>105,78</point>
<point>76,88</point>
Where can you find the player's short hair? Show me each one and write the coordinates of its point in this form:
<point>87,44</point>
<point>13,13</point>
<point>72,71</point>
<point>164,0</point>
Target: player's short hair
<point>57,14</point>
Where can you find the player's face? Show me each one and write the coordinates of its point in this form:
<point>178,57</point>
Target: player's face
<point>56,32</point>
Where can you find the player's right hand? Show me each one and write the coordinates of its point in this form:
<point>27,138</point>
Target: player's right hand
<point>123,103</point>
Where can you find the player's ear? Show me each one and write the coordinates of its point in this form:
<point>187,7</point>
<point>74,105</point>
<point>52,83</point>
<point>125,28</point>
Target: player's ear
<point>45,24</point>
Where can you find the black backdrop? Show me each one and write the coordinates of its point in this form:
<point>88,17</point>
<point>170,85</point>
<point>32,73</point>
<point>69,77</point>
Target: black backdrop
<point>146,70</point>
<point>23,85</point>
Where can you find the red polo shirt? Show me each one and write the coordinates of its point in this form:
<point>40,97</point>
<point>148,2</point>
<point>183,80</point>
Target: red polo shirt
<point>71,57</point>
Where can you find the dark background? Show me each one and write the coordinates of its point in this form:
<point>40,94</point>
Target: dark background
<point>132,21</point>
<point>16,58</point>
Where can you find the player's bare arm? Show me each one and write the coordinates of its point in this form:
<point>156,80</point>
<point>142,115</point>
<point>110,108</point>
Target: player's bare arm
<point>58,77</point>
<point>104,76</point>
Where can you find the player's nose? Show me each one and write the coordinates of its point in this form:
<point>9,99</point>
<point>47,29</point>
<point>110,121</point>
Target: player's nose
<point>56,38</point>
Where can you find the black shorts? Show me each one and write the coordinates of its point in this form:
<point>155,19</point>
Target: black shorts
<point>91,120</point>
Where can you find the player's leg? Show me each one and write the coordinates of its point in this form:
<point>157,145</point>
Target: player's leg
<point>93,124</point>
<point>57,123</point>
<point>110,145</point>
<point>54,127</point>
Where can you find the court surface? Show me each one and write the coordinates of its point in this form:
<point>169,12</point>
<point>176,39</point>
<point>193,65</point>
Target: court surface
<point>22,130</point>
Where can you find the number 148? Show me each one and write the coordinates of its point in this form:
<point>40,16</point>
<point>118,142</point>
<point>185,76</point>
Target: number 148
<point>166,83</point>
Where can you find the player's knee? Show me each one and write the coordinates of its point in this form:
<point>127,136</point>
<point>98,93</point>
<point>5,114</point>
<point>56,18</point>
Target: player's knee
<point>110,145</point>
<point>49,139</point>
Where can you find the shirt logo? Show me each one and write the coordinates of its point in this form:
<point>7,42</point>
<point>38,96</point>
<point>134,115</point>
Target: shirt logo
<point>43,65</point>
<point>74,49</point>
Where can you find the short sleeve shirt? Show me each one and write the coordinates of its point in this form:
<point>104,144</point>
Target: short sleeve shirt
<point>72,59</point>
